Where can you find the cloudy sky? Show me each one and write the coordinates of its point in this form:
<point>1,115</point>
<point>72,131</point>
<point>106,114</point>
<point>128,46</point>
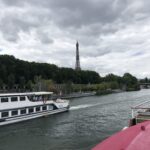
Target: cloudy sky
<point>114,35</point>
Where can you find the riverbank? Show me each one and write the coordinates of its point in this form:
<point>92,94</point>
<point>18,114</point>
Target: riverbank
<point>91,93</point>
<point>105,92</point>
<point>87,94</point>
<point>74,95</point>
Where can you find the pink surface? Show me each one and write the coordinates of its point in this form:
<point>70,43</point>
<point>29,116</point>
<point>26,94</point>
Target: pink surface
<point>133,138</point>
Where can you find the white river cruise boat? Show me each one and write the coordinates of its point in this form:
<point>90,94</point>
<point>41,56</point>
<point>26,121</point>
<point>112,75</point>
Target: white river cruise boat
<point>16,107</point>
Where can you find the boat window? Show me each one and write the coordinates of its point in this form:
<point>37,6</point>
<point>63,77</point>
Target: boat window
<point>30,98</point>
<point>22,98</point>
<point>23,111</point>
<point>35,98</point>
<point>14,112</point>
<point>37,108</point>
<point>49,97</point>
<point>50,107</point>
<point>39,97</point>
<point>5,114</point>
<point>14,99</point>
<point>31,110</point>
<point>43,107</point>
<point>4,99</point>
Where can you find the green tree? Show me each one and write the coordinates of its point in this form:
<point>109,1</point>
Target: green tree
<point>22,82</point>
<point>130,81</point>
<point>11,80</point>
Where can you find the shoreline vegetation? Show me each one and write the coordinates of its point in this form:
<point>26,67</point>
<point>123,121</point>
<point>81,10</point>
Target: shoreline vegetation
<point>22,76</point>
<point>106,92</point>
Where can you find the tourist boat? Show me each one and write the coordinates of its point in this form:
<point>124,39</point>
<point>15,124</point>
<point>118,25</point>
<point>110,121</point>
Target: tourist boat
<point>140,113</point>
<point>16,107</point>
<point>133,138</point>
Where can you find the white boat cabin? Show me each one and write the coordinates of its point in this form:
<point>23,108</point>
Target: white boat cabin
<point>15,106</point>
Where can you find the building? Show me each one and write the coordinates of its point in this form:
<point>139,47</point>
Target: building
<point>77,65</point>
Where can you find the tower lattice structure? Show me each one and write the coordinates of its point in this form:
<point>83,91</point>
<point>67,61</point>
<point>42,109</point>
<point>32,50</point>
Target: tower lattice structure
<point>77,66</point>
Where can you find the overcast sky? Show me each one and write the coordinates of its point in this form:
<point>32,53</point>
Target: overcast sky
<point>114,35</point>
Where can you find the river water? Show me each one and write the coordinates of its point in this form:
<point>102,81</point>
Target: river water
<point>89,121</point>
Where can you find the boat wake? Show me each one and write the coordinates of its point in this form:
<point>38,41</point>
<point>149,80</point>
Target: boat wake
<point>90,105</point>
<point>81,106</point>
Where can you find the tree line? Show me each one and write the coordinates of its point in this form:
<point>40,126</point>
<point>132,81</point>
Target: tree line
<point>15,71</point>
<point>23,73</point>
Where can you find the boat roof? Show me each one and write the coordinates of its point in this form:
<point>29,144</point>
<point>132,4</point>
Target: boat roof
<point>133,138</point>
<point>26,93</point>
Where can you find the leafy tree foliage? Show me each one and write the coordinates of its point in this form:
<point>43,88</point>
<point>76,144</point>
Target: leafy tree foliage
<point>15,71</point>
<point>145,80</point>
<point>26,74</point>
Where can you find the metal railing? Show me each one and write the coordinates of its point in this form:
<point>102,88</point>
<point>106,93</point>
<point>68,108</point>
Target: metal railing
<point>142,108</point>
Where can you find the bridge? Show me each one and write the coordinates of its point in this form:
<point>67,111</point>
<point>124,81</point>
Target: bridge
<point>144,85</point>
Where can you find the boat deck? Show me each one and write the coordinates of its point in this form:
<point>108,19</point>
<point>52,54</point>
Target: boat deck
<point>141,118</point>
<point>141,112</point>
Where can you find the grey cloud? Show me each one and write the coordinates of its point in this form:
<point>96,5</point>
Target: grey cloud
<point>13,2</point>
<point>105,29</point>
<point>44,37</point>
<point>78,13</point>
<point>16,20</point>
<point>46,40</point>
<point>10,26</point>
<point>140,53</point>
<point>82,18</point>
<point>94,52</point>
<point>70,13</point>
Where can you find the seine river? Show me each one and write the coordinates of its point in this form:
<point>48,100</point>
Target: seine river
<point>89,121</point>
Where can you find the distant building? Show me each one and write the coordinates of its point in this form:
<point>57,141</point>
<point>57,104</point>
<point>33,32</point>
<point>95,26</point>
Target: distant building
<point>77,65</point>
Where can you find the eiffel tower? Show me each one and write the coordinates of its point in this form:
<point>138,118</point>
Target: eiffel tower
<point>77,65</point>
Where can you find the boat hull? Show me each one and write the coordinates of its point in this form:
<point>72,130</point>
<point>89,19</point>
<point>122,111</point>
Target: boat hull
<point>31,116</point>
<point>133,138</point>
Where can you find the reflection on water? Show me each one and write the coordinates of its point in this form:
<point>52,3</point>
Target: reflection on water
<point>89,121</point>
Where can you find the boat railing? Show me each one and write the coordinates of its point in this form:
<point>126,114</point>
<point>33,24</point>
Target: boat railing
<point>142,108</point>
